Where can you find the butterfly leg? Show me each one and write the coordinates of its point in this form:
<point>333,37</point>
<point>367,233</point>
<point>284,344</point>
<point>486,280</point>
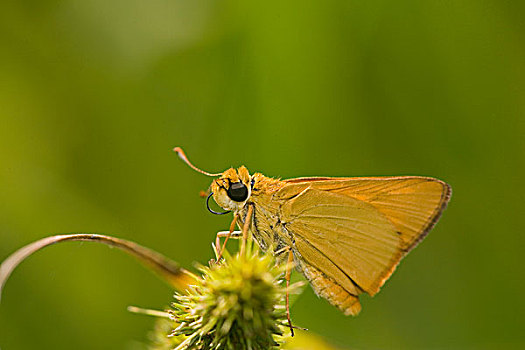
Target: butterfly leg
<point>218,239</point>
<point>287,277</point>
<point>233,235</point>
<point>247,222</point>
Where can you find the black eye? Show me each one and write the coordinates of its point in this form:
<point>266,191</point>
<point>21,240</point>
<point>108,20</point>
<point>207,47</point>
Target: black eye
<point>238,192</point>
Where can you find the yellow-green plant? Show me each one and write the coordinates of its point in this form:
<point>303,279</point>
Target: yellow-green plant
<point>236,303</point>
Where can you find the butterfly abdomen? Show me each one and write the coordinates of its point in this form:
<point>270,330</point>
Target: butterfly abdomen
<point>326,288</point>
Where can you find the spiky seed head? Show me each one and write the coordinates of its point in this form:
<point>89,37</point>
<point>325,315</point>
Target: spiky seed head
<point>237,304</point>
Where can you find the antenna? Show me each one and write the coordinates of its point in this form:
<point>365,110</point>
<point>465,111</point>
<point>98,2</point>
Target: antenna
<point>182,156</point>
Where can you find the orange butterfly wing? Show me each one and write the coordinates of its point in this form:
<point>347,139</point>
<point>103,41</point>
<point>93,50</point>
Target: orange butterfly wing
<point>350,233</point>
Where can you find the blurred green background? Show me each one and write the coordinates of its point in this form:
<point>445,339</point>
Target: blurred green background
<point>95,94</point>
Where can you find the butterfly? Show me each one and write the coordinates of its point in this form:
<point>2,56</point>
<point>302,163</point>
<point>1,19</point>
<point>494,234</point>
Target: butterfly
<point>345,235</point>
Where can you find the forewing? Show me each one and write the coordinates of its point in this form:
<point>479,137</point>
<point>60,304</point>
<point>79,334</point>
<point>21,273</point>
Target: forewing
<point>412,203</point>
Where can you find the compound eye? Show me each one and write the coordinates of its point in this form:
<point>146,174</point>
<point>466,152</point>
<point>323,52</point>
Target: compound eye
<point>238,192</point>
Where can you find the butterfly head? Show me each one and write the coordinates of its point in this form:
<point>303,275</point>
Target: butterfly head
<point>232,189</point>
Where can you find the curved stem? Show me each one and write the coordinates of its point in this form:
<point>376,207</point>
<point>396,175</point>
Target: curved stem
<point>170,271</point>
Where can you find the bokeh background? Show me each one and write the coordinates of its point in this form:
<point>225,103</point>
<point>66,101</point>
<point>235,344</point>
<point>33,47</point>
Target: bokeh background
<point>95,94</point>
